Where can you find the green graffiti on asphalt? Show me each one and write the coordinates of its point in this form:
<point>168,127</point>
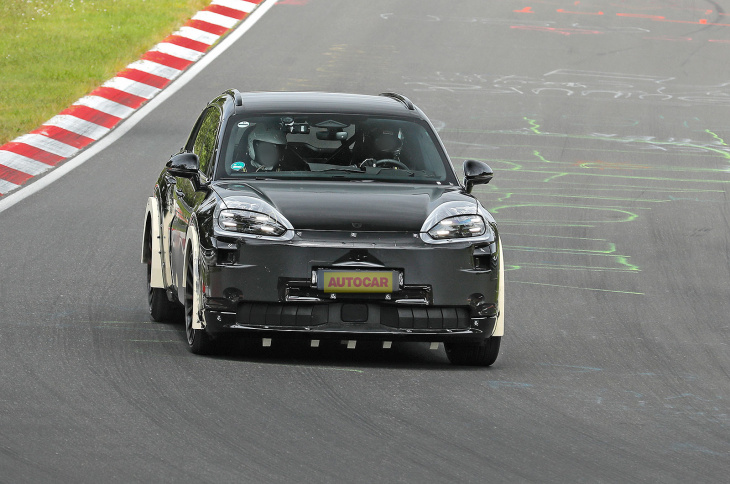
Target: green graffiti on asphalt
<point>580,288</point>
<point>722,142</point>
<point>550,198</point>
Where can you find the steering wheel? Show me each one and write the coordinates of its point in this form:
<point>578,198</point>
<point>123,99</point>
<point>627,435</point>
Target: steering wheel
<point>390,163</point>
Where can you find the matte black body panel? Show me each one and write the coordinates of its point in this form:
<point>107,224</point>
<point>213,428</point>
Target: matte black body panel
<point>261,266</point>
<point>361,206</point>
<point>324,102</point>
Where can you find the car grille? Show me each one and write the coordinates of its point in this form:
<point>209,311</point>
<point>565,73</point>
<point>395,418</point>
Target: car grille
<point>388,315</point>
<point>419,317</point>
<point>274,314</point>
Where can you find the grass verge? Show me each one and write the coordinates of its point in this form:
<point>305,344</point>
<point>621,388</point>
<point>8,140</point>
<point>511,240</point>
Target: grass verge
<point>53,52</point>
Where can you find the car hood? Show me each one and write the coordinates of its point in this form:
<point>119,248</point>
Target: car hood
<point>353,206</point>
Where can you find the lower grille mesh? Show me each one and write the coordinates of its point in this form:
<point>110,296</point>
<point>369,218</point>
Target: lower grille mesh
<point>419,317</point>
<point>392,316</point>
<point>282,314</point>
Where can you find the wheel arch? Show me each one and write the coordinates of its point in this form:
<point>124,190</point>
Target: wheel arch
<point>153,254</point>
<point>499,327</point>
<point>192,248</point>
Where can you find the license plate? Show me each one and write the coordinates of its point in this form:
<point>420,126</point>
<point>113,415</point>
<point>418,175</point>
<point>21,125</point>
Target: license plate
<point>356,281</point>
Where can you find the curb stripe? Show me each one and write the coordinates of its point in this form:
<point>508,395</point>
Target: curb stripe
<point>155,68</point>
<point>47,144</point>
<point>104,105</point>
<point>215,19</point>
<point>243,6</point>
<point>131,87</point>
<point>22,163</point>
<point>78,126</point>
<point>121,97</point>
<point>207,27</point>
<point>144,77</point>
<point>197,35</point>
<point>7,187</point>
<point>177,51</point>
<point>91,117</point>
<point>13,176</point>
<point>166,60</point>
<point>227,11</point>
<point>29,151</point>
<point>63,136</point>
<point>187,42</point>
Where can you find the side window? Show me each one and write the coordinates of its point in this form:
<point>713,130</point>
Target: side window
<point>205,139</point>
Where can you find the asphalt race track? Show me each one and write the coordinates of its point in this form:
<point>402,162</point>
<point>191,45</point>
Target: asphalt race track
<point>605,123</point>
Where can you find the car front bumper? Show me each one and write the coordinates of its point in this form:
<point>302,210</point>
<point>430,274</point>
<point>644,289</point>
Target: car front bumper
<point>472,330</point>
<point>445,292</point>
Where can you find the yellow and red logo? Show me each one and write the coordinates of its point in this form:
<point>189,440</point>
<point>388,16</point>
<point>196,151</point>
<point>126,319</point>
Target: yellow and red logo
<point>356,281</point>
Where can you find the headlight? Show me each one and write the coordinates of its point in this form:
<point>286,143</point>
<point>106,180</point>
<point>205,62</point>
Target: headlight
<point>458,227</point>
<point>250,222</point>
<point>458,221</point>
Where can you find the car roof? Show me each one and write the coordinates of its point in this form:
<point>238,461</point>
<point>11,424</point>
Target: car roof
<point>326,102</point>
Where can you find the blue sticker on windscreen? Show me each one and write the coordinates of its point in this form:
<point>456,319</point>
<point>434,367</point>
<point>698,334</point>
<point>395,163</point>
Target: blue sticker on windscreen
<point>238,166</point>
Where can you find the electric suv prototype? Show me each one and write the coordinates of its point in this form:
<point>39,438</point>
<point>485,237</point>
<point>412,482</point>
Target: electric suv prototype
<point>323,216</point>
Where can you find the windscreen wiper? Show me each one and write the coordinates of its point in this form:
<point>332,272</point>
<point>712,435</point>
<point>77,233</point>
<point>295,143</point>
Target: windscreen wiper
<point>410,173</point>
<point>346,169</point>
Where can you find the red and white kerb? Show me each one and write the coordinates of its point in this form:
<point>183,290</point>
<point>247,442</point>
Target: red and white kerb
<point>93,116</point>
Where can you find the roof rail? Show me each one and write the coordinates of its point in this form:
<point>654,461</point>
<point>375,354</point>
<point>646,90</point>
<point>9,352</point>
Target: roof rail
<point>238,99</point>
<point>399,97</point>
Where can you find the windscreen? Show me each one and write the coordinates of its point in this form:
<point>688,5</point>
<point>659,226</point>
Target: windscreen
<point>332,146</point>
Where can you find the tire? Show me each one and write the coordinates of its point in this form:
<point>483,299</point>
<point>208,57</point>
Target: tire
<point>161,309</point>
<point>199,341</point>
<point>484,354</point>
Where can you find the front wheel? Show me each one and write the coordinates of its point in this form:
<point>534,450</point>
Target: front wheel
<point>484,354</point>
<point>199,341</point>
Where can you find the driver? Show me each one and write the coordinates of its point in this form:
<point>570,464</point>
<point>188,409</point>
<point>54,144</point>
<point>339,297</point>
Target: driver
<point>267,151</point>
<point>382,143</point>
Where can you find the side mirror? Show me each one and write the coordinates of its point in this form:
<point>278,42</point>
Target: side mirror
<point>476,173</point>
<point>184,165</point>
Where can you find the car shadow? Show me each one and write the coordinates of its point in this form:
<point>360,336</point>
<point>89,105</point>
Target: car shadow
<point>331,353</point>
<point>335,353</point>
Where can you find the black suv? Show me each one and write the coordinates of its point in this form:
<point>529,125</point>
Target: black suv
<point>323,216</point>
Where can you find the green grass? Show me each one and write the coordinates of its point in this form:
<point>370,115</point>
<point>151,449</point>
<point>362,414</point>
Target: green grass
<point>53,52</point>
